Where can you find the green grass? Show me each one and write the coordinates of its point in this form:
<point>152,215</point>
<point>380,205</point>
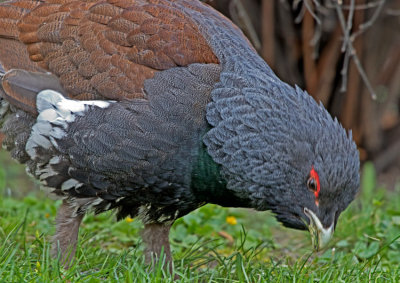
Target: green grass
<point>366,246</point>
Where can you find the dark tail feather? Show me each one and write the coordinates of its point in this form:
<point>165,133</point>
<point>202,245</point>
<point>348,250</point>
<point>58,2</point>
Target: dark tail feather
<point>21,87</point>
<point>3,103</point>
<point>2,94</point>
<point>1,106</point>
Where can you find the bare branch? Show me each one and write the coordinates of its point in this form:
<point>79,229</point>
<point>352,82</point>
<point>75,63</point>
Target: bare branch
<point>365,6</point>
<point>352,53</point>
<point>349,25</point>
<point>300,16</point>
<point>363,27</point>
<point>318,30</point>
<point>344,70</point>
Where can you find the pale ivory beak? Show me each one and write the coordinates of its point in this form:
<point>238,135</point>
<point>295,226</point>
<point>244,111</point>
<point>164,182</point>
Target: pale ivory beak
<point>320,236</point>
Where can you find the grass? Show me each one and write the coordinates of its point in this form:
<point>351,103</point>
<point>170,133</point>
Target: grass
<point>212,244</point>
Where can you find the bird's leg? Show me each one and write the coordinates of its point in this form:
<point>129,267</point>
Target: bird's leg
<point>156,238</point>
<point>66,237</point>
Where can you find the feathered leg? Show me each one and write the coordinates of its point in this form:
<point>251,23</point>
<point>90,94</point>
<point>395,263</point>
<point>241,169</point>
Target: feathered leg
<point>66,237</point>
<point>156,238</point>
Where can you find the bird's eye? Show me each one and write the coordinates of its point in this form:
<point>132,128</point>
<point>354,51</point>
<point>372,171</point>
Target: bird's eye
<point>312,184</point>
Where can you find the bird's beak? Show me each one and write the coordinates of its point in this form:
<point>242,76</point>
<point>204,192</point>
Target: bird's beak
<point>320,236</point>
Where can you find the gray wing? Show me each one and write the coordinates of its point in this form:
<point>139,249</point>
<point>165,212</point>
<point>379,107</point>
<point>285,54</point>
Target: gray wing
<point>108,150</point>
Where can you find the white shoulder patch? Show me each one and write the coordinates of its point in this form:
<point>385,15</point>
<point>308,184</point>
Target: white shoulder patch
<point>66,108</point>
<point>55,113</point>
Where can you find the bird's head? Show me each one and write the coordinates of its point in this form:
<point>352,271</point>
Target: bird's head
<point>316,190</point>
<point>285,153</point>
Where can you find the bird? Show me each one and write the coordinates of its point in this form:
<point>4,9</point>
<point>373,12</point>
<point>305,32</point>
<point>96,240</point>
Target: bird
<point>154,108</point>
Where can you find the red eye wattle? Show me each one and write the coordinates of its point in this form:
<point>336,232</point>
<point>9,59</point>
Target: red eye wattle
<point>313,182</point>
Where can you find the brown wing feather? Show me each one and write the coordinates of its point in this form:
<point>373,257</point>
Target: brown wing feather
<point>106,49</point>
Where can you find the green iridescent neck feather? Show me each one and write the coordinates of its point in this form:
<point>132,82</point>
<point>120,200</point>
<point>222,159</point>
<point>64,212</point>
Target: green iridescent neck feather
<point>208,183</point>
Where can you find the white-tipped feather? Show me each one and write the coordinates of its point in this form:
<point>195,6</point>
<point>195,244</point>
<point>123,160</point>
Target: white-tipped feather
<point>69,184</point>
<point>55,160</point>
<point>55,113</point>
<point>48,99</point>
<point>143,213</point>
<point>57,133</point>
<point>119,199</point>
<point>48,114</point>
<point>45,172</point>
